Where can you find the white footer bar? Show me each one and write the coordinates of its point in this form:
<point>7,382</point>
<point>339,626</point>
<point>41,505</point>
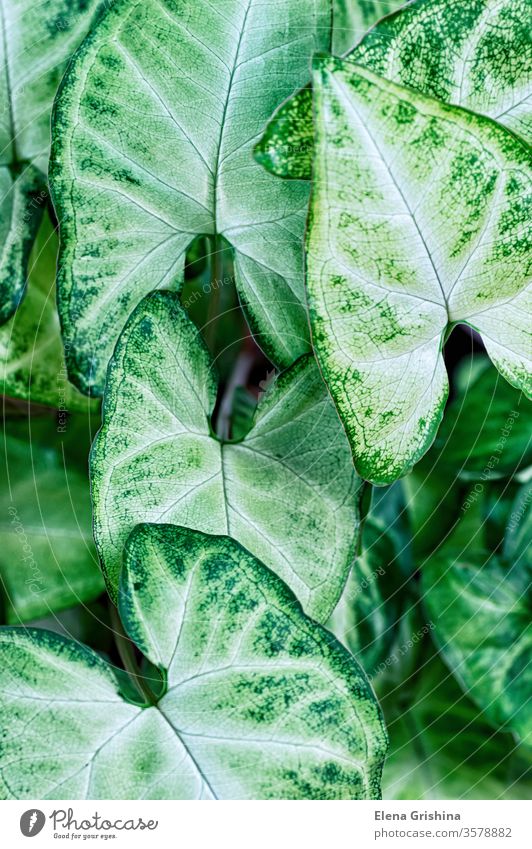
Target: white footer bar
<point>268,825</point>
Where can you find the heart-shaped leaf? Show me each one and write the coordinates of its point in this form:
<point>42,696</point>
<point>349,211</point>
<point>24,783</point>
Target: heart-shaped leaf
<point>35,44</point>
<point>47,556</point>
<point>260,702</point>
<point>288,491</point>
<point>32,363</point>
<point>418,221</point>
<point>477,57</point>
<point>132,194</point>
<point>481,607</point>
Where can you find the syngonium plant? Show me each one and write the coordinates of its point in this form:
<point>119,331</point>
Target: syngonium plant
<point>418,216</point>
<point>259,591</point>
<point>257,700</point>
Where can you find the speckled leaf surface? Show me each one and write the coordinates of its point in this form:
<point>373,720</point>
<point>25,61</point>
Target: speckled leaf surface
<point>47,555</point>
<point>352,18</point>
<point>475,55</point>
<point>32,362</point>
<point>35,44</point>
<point>481,607</point>
<point>132,194</point>
<point>260,702</point>
<point>288,492</point>
<point>418,220</point>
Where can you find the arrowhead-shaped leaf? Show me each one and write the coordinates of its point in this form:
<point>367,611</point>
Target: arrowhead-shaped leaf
<point>35,44</point>
<point>418,221</point>
<point>288,491</point>
<point>475,55</point>
<point>47,556</point>
<point>480,605</point>
<point>260,702</point>
<point>132,194</point>
<point>32,362</point>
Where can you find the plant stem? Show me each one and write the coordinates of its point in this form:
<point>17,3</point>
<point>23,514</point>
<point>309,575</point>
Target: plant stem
<point>239,377</point>
<point>366,495</point>
<point>217,270</point>
<point>127,656</point>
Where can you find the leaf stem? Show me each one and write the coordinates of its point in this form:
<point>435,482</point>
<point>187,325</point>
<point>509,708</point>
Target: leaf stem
<point>239,377</point>
<point>217,271</point>
<point>127,656</point>
<point>365,499</point>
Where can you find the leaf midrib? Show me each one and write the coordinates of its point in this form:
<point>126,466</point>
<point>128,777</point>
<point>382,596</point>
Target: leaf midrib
<point>187,750</point>
<point>216,168</point>
<point>359,118</point>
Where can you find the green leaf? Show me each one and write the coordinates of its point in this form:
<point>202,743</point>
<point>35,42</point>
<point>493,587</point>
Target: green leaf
<point>481,608</point>
<point>392,265</point>
<point>260,702</point>
<point>519,527</point>
<point>288,491</point>
<point>476,56</point>
<point>432,502</point>
<point>70,435</point>
<point>484,437</point>
<point>440,748</point>
<point>47,556</point>
<point>85,623</point>
<point>132,195</point>
<point>35,45</point>
<point>244,407</point>
<point>498,502</point>
<point>367,616</point>
<point>353,17</point>
<point>389,507</point>
<point>32,363</point>
<point>486,430</point>
<point>21,208</point>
